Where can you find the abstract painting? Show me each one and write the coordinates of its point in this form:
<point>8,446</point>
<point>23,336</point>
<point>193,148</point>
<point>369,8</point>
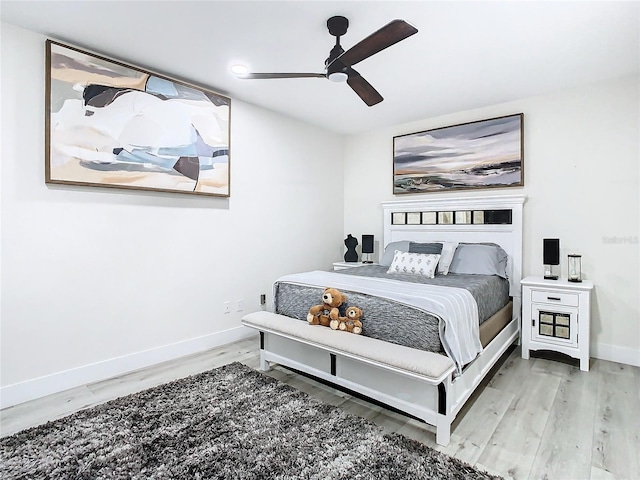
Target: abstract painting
<point>109,124</point>
<point>482,154</point>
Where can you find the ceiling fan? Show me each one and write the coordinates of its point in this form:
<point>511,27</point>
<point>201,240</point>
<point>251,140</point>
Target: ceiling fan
<point>338,67</point>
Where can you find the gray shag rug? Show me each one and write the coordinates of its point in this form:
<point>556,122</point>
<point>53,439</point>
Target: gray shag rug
<point>231,423</point>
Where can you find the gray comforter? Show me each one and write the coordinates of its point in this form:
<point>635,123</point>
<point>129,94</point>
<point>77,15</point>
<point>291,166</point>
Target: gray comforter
<point>391,321</point>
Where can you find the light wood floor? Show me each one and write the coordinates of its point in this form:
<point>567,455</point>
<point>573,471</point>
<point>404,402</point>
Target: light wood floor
<point>537,418</point>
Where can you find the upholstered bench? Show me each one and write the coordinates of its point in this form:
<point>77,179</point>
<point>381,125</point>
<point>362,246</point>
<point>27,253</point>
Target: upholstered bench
<point>431,366</point>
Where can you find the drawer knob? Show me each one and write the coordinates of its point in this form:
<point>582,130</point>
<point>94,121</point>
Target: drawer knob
<point>557,299</point>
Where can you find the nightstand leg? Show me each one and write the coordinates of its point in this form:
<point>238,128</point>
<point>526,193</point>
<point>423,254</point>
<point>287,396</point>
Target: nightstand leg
<point>525,353</point>
<point>584,364</point>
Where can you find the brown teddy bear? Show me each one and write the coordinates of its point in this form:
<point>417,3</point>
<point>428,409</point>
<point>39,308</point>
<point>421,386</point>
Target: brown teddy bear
<point>323,314</point>
<point>350,323</point>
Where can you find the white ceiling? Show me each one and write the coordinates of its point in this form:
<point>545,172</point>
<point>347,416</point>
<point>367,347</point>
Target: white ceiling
<point>466,54</point>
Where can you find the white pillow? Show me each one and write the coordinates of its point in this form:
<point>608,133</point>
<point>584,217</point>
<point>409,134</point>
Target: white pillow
<point>414,263</point>
<point>446,256</point>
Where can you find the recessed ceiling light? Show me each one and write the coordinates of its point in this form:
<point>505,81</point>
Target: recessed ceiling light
<point>239,69</point>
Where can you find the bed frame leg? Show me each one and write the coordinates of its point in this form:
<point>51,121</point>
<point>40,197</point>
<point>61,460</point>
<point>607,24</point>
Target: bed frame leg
<point>264,364</point>
<point>443,430</point>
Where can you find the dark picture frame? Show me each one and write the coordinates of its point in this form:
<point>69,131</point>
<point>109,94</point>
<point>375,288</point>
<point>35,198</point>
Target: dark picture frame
<point>110,124</point>
<point>481,154</point>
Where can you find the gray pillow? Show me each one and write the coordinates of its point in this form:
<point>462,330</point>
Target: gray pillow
<point>480,259</point>
<point>428,248</point>
<point>387,258</point>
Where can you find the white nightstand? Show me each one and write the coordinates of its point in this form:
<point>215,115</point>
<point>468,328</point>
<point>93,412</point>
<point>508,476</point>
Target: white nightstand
<point>556,315</point>
<point>342,265</point>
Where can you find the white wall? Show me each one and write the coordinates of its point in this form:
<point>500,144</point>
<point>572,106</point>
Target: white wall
<point>582,156</point>
<point>99,281</point>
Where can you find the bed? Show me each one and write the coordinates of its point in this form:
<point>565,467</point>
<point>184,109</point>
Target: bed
<point>426,343</point>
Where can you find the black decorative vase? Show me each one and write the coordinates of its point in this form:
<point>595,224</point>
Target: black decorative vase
<point>351,243</point>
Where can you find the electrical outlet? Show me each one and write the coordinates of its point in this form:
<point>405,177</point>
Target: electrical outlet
<point>263,299</point>
<point>227,307</point>
<point>239,306</point>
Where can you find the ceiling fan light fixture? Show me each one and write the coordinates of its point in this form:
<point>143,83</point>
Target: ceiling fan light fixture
<point>338,77</point>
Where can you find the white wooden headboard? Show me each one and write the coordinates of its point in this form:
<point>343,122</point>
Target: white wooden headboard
<point>508,236</point>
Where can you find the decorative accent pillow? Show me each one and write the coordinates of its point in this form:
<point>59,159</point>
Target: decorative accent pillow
<point>435,248</point>
<point>389,251</point>
<point>414,263</point>
<point>480,259</point>
<point>446,256</point>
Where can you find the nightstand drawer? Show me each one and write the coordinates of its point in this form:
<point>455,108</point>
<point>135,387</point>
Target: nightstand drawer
<point>554,298</point>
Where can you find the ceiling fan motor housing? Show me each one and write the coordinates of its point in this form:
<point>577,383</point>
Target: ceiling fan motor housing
<point>336,51</point>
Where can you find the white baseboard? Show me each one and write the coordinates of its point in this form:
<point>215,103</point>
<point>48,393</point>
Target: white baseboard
<point>613,353</point>
<point>42,386</point>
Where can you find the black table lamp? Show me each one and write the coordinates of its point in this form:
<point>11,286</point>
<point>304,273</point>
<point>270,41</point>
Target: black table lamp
<point>550,256</point>
<point>367,248</point>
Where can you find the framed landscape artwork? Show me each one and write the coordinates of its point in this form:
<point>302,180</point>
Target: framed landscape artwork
<point>482,154</point>
<point>109,124</point>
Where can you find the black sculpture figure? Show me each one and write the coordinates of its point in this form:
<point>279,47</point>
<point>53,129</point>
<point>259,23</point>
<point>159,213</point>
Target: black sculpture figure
<point>351,243</point>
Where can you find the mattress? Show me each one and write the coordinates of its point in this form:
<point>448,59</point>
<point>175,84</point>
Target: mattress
<point>395,322</point>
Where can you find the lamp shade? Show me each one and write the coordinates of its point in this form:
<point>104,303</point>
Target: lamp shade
<point>367,243</point>
<point>551,251</point>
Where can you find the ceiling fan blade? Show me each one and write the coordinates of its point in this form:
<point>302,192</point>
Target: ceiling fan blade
<point>262,76</point>
<point>388,35</point>
<point>365,91</point>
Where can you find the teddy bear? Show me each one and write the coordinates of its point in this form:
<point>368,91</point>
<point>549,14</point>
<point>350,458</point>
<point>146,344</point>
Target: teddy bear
<point>332,299</point>
<point>350,323</point>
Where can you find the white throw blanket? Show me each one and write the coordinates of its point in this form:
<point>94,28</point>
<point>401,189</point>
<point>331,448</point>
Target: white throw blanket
<point>456,308</point>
